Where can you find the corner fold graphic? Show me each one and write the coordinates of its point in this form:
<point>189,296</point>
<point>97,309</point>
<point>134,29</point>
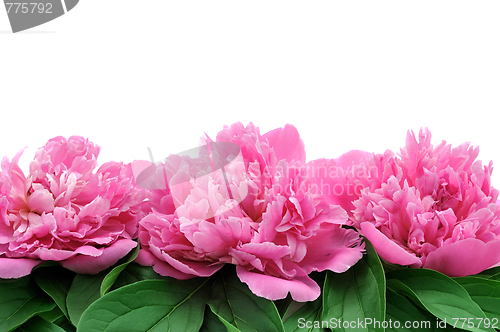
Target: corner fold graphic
<point>26,15</point>
<point>70,4</point>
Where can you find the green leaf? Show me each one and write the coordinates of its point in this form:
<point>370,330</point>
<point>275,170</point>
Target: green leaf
<point>21,299</point>
<point>212,323</point>
<point>403,315</point>
<point>55,281</point>
<point>65,324</point>
<point>488,273</point>
<point>52,315</point>
<point>306,317</point>
<point>111,277</point>
<point>440,295</point>
<point>234,303</point>
<point>283,304</point>
<point>485,292</point>
<point>149,305</point>
<point>134,272</point>
<point>84,290</point>
<point>226,325</point>
<point>38,324</point>
<point>495,277</point>
<point>357,295</point>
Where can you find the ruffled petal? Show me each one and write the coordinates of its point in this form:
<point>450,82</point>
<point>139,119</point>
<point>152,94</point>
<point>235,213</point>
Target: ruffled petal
<point>86,264</point>
<point>465,257</point>
<point>301,287</point>
<point>387,249</point>
<point>146,258</point>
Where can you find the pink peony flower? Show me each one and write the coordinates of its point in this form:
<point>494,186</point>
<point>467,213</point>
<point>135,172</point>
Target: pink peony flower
<point>63,211</point>
<point>259,212</point>
<point>341,180</point>
<point>299,232</point>
<point>436,210</point>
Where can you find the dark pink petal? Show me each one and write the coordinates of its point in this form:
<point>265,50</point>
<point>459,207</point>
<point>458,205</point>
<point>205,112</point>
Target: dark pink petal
<point>465,257</point>
<point>110,255</point>
<point>387,249</point>
<point>301,287</point>
<point>13,268</point>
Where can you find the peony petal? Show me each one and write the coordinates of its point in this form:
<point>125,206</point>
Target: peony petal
<point>97,207</point>
<point>6,232</point>
<point>286,143</point>
<point>301,287</point>
<point>334,182</point>
<point>41,201</point>
<point>91,265</point>
<point>146,258</point>
<point>195,268</point>
<point>335,249</point>
<point>49,254</point>
<point>13,268</point>
<point>387,249</point>
<point>465,257</point>
<point>265,250</point>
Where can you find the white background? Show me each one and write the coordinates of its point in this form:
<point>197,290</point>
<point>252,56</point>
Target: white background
<point>159,73</point>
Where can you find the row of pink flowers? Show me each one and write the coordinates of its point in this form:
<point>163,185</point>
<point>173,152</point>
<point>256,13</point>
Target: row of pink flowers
<point>253,201</point>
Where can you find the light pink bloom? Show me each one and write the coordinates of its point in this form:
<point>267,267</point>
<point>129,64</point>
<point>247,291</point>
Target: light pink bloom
<point>261,214</point>
<point>438,211</point>
<point>64,211</point>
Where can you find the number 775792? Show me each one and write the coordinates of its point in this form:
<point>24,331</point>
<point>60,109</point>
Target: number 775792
<point>29,7</point>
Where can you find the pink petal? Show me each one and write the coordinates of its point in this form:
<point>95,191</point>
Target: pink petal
<point>301,287</point>
<point>170,267</point>
<point>12,268</point>
<point>333,182</point>
<point>195,268</point>
<point>207,238</point>
<point>145,258</point>
<point>270,220</point>
<point>49,254</point>
<point>266,250</point>
<point>6,231</point>
<point>286,143</point>
<point>14,172</point>
<point>335,249</point>
<point>387,249</point>
<point>41,201</point>
<point>97,207</point>
<point>91,265</point>
<point>465,257</point>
